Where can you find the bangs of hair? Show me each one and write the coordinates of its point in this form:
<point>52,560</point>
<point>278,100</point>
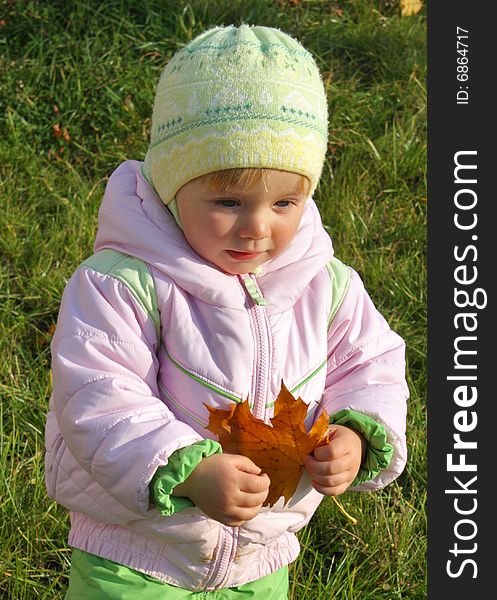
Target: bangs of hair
<point>246,178</point>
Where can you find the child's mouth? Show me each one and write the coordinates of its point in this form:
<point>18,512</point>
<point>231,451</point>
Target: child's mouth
<point>243,255</point>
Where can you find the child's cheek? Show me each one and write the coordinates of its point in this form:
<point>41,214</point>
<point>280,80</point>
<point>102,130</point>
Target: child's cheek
<point>222,225</point>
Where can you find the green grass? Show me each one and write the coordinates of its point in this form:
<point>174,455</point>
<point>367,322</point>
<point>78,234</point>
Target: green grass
<point>97,63</point>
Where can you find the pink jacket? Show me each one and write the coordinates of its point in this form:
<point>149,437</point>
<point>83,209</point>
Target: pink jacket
<point>123,400</point>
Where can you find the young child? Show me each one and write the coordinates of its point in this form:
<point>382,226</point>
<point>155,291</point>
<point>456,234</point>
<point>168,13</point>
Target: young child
<point>221,296</point>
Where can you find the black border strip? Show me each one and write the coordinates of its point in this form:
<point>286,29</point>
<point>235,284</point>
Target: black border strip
<point>461,339</point>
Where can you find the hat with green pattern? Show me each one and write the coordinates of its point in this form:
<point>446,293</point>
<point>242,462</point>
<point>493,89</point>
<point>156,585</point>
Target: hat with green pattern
<point>247,96</point>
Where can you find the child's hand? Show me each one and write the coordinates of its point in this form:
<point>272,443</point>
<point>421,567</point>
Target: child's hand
<point>227,487</point>
<point>334,467</point>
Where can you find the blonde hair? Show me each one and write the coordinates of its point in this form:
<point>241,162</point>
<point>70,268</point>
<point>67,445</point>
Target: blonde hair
<point>246,178</point>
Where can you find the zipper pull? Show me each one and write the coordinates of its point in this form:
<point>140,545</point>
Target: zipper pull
<point>254,291</point>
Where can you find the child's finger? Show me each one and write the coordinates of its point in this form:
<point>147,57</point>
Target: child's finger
<point>254,484</point>
<point>242,515</point>
<point>327,467</point>
<point>252,500</point>
<point>323,452</point>
<point>332,481</point>
<point>244,464</point>
<point>331,490</point>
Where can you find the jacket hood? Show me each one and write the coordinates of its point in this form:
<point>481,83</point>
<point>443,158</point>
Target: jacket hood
<point>133,220</point>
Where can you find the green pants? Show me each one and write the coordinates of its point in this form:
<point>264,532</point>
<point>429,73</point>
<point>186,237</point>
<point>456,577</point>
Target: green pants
<point>96,578</point>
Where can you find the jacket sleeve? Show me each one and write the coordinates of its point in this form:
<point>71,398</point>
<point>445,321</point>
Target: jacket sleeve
<point>180,466</point>
<point>105,396</point>
<point>366,376</point>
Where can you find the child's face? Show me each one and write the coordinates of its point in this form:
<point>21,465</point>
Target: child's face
<point>237,230</point>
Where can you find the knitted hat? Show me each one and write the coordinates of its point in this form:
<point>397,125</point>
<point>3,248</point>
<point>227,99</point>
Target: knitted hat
<point>247,96</point>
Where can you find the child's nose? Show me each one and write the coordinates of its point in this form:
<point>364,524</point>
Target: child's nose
<point>255,226</point>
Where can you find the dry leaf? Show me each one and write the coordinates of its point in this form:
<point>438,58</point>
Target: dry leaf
<point>410,7</point>
<point>57,130</point>
<point>278,449</point>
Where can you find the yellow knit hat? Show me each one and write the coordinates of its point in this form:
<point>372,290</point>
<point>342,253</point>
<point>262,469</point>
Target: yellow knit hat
<point>237,97</point>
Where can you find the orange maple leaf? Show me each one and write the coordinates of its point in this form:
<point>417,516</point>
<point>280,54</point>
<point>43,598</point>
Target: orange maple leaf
<point>278,449</point>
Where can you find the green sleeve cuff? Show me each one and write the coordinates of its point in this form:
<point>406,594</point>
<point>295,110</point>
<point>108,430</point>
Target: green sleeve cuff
<point>379,452</point>
<point>180,465</point>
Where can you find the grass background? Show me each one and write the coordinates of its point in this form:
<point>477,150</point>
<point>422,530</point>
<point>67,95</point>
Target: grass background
<point>86,71</point>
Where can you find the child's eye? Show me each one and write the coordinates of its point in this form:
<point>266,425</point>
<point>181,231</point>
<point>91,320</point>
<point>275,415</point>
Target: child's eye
<point>227,203</point>
<point>284,203</point>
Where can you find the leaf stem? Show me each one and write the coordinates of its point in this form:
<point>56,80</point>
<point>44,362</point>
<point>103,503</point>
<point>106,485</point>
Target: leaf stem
<point>343,511</point>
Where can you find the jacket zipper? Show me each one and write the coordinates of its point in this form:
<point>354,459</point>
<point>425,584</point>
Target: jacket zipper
<point>260,383</point>
<point>228,536</point>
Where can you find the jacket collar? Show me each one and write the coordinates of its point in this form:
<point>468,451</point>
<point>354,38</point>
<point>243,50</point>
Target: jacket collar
<point>133,220</point>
